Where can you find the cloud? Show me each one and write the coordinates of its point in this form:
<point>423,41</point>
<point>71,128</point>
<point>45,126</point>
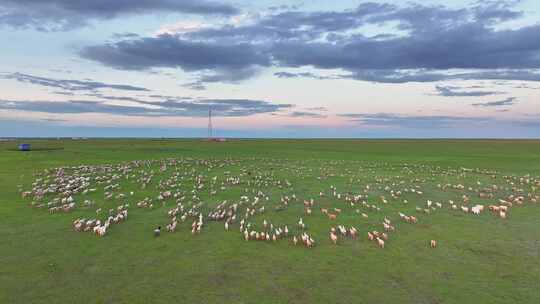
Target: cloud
<point>526,86</point>
<point>160,96</point>
<point>63,15</point>
<point>53,120</point>
<point>222,75</point>
<point>319,109</point>
<point>102,97</point>
<point>286,75</point>
<point>497,11</point>
<point>213,61</point>
<point>435,38</point>
<point>197,85</point>
<point>450,91</point>
<point>69,85</point>
<point>415,122</point>
<point>306,114</point>
<point>174,51</point>
<point>125,35</point>
<point>423,43</point>
<point>64,93</point>
<point>505,102</point>
<point>137,107</point>
<point>423,75</point>
<point>304,75</point>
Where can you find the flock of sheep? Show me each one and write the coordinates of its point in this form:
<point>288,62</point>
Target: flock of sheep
<point>192,191</point>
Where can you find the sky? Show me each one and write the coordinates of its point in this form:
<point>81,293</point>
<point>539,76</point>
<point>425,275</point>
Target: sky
<point>270,68</point>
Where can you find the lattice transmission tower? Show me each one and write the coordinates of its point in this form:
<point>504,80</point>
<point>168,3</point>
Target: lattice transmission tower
<point>210,128</point>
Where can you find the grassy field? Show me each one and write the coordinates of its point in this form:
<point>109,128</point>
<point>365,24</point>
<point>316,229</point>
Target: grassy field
<point>479,259</point>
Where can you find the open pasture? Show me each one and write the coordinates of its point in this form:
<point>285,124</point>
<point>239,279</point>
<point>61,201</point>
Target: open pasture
<point>271,221</point>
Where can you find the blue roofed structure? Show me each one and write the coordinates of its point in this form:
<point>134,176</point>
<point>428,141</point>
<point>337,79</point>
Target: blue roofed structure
<point>24,147</point>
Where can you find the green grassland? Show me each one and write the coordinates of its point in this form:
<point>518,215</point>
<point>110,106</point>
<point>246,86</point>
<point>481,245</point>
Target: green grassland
<point>479,259</point>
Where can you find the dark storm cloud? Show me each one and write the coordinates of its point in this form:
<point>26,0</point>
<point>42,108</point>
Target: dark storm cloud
<point>69,84</point>
<point>427,43</point>
<point>414,122</point>
<point>505,102</point>
<point>180,108</point>
<point>57,15</point>
<point>451,91</point>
